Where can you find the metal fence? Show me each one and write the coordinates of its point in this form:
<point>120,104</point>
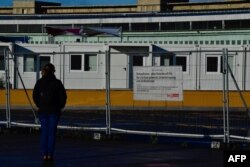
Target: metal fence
<point>100,87</point>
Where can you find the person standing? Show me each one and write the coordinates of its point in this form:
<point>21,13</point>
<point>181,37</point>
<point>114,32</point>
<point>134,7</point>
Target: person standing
<point>50,97</point>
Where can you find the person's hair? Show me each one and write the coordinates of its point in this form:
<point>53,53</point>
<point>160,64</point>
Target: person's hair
<point>48,69</point>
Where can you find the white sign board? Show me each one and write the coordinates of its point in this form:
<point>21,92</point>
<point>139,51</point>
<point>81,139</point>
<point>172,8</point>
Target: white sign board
<point>158,83</point>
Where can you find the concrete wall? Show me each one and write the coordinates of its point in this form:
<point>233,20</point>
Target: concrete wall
<point>211,6</point>
<point>23,6</point>
<point>6,10</point>
<point>115,9</point>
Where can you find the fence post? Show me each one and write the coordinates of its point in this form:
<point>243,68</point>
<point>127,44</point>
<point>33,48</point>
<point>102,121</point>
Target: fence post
<point>107,77</point>
<point>7,86</point>
<point>225,96</point>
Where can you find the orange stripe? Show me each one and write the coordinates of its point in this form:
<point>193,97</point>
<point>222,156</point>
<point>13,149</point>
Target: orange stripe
<point>125,98</point>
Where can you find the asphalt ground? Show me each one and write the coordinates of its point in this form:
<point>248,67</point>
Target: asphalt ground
<point>179,121</point>
<point>20,148</point>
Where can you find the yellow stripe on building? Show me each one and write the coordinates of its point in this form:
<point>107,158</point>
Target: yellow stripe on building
<point>124,98</point>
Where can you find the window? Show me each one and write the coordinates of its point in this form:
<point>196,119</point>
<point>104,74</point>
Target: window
<point>245,24</point>
<point>175,26</point>
<point>166,60</point>
<point>214,25</point>
<point>206,25</point>
<point>199,25</point>
<point>144,27</point>
<point>43,61</point>
<point>30,62</point>
<point>230,62</point>
<point>2,67</point>
<point>8,28</point>
<point>24,11</point>
<point>232,24</point>
<point>125,26</point>
<point>76,62</point>
<point>212,63</point>
<point>2,54</point>
<point>182,61</point>
<point>24,28</point>
<point>90,62</point>
<point>137,60</point>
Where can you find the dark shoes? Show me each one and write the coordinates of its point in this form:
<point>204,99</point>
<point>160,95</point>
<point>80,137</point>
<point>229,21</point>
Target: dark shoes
<point>48,158</point>
<point>48,161</point>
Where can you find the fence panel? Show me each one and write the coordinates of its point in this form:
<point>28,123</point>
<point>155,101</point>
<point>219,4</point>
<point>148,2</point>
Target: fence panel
<point>100,83</point>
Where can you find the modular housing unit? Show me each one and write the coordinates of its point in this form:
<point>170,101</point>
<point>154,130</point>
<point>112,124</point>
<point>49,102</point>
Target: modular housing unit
<point>84,66</point>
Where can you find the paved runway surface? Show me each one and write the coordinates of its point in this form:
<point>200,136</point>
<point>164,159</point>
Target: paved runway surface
<point>179,121</point>
<point>21,149</point>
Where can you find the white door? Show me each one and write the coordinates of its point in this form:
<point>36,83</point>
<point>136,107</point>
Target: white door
<point>118,70</point>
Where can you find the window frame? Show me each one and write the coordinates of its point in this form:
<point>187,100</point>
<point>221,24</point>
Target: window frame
<point>41,66</point>
<point>2,56</point>
<point>187,63</point>
<point>172,60</point>
<point>138,56</point>
<point>218,63</point>
<point>232,66</point>
<point>166,56</point>
<point>82,63</point>
<point>25,56</point>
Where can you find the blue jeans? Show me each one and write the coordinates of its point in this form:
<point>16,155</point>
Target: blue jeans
<point>49,124</point>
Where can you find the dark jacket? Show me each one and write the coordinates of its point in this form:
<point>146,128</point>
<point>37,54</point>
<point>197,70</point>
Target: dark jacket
<point>49,94</point>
